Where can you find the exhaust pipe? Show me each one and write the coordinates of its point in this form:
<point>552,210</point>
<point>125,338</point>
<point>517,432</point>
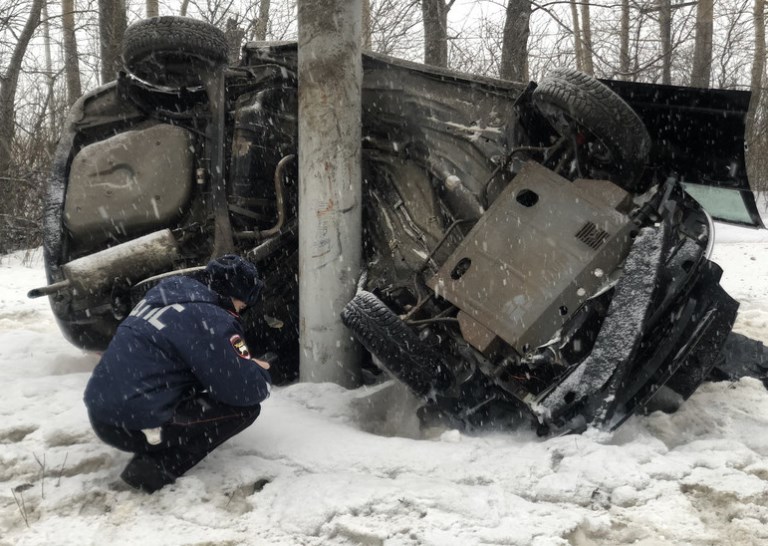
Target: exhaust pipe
<point>133,260</point>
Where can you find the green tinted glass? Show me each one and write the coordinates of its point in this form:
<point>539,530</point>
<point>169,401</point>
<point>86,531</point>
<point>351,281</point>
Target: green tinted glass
<point>722,204</point>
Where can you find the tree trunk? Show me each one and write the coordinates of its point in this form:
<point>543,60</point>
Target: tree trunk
<point>514,47</point>
<point>9,83</point>
<point>624,41</point>
<point>71,61</point>
<point>112,25</point>
<point>578,48</point>
<point>702,52</point>
<point>183,8</point>
<point>153,8</point>
<point>49,77</point>
<point>366,30</point>
<point>262,24</point>
<point>665,30</point>
<point>758,63</point>
<point>234,34</point>
<point>757,117</point>
<point>435,16</point>
<point>586,26</point>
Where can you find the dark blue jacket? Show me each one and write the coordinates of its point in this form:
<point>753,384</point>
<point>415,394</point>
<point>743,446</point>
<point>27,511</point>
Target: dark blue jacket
<point>178,341</point>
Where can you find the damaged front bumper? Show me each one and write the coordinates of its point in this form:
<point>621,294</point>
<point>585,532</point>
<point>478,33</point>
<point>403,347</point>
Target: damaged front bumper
<point>651,337</point>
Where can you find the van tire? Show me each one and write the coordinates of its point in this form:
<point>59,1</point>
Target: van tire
<point>572,100</point>
<point>173,51</point>
<point>395,345</point>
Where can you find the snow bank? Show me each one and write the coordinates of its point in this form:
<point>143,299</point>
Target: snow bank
<point>346,467</point>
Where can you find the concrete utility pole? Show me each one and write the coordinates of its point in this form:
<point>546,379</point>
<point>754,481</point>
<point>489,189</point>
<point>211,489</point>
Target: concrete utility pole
<point>330,247</point>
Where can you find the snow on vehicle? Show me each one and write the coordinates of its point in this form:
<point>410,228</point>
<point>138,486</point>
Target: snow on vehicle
<point>530,248</point>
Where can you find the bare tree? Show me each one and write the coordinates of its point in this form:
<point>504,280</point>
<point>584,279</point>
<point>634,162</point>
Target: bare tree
<point>50,76</point>
<point>234,34</point>
<point>23,185</point>
<point>9,83</point>
<point>20,188</point>
<point>758,61</point>
<point>701,70</point>
<point>757,118</point>
<point>665,31</point>
<point>578,46</point>
<point>514,50</point>
<point>153,8</point>
<point>183,8</point>
<point>586,28</point>
<point>395,28</point>
<point>216,12</point>
<point>112,23</point>
<point>624,40</point>
<point>282,20</point>
<point>435,18</point>
<point>71,61</point>
<point>366,31</point>
<point>262,23</point>
<point>730,64</point>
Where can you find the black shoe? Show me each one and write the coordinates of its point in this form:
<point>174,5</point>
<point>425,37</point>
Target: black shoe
<point>259,485</point>
<point>146,474</point>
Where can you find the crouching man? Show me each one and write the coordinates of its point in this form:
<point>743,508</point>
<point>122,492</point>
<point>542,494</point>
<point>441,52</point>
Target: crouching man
<point>177,379</point>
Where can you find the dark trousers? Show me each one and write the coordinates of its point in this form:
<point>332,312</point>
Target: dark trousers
<point>199,426</point>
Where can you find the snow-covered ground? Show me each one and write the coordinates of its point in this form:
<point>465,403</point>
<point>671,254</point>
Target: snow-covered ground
<point>344,469</point>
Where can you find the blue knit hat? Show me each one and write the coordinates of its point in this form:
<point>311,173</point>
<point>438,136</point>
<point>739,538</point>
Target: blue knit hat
<point>236,277</point>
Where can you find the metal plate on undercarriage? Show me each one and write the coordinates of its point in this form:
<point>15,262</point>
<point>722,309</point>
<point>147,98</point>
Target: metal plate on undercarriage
<point>542,248</point>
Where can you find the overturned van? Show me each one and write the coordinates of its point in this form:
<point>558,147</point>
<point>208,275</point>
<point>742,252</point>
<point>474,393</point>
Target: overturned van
<point>537,249</point>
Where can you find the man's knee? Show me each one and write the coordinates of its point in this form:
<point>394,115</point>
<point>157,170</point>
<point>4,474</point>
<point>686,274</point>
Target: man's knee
<point>112,435</point>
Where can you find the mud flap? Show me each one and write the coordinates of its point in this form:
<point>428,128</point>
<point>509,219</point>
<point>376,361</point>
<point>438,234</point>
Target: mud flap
<point>704,349</point>
<point>742,357</point>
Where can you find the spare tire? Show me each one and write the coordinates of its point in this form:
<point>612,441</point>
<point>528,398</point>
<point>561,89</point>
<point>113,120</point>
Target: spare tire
<point>396,345</point>
<point>575,102</point>
<point>173,51</point>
